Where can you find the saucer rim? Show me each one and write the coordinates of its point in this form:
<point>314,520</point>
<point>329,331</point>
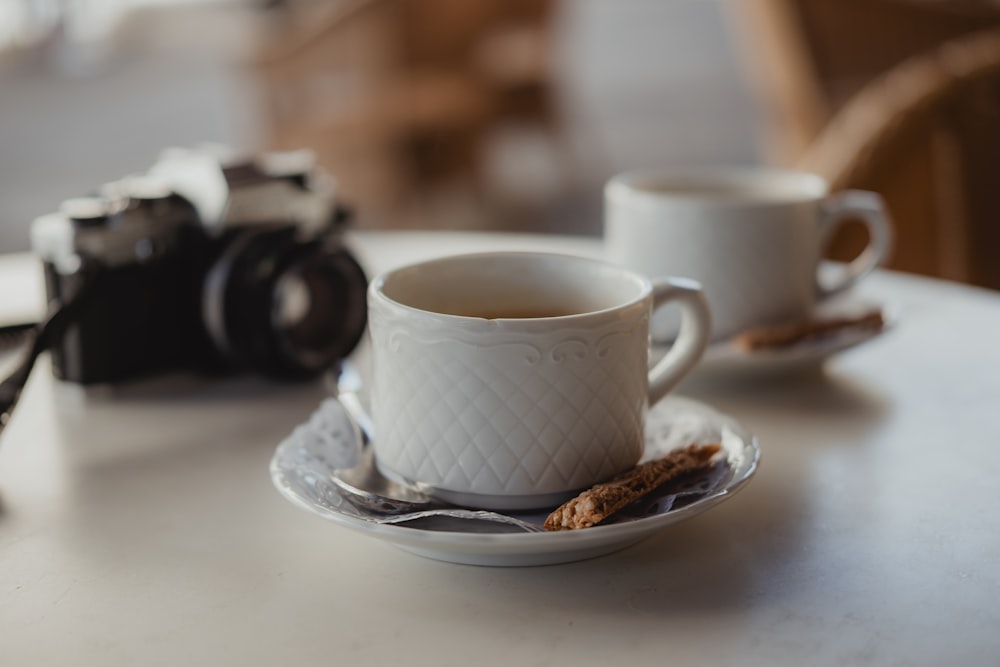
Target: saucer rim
<point>547,547</point>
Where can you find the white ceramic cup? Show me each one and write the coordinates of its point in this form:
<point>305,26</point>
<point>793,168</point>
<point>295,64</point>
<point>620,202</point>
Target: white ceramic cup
<point>753,237</point>
<point>512,380</point>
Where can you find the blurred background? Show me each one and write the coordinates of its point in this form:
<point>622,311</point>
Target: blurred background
<point>510,114</point>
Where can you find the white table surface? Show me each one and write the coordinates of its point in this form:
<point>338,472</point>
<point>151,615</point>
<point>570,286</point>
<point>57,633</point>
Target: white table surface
<point>141,527</point>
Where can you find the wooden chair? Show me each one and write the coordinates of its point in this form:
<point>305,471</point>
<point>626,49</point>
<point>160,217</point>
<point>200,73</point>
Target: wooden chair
<point>926,134</point>
<point>807,58</point>
<point>397,96</point>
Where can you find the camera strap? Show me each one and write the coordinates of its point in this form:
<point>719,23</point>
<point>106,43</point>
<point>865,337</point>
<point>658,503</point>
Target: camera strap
<point>42,337</point>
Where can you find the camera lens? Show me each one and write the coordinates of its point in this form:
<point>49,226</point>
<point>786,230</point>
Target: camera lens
<point>283,307</point>
<point>315,312</point>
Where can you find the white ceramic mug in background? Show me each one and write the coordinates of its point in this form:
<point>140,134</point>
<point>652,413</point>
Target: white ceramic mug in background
<point>753,237</point>
<point>512,380</point>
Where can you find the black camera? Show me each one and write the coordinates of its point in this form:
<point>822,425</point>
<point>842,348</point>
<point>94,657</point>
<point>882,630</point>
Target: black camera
<point>207,262</point>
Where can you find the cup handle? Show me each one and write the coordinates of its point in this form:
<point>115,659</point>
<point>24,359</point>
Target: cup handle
<point>692,339</point>
<point>871,210</point>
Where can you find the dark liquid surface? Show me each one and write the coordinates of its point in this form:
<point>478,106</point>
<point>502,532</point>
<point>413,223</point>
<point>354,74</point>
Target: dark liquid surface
<point>519,313</point>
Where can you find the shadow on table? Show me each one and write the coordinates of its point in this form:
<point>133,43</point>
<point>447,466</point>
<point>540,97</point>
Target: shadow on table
<point>110,427</point>
<point>816,392</point>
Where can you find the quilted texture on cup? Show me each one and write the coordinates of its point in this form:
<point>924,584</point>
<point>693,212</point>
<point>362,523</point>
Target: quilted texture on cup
<point>487,410</point>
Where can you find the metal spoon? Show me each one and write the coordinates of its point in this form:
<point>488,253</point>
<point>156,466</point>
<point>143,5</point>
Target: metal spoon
<point>347,387</point>
<point>368,489</point>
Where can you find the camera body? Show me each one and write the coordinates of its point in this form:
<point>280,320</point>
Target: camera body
<point>209,263</point>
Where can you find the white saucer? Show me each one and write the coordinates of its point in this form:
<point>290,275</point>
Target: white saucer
<point>727,358</point>
<point>301,466</point>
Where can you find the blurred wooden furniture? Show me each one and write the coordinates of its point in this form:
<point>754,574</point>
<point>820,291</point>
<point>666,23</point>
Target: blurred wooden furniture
<point>927,136</point>
<point>807,58</point>
<point>398,96</point>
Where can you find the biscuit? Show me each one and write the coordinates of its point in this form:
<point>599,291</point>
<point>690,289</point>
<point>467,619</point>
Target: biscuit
<point>782,335</point>
<point>601,501</point>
